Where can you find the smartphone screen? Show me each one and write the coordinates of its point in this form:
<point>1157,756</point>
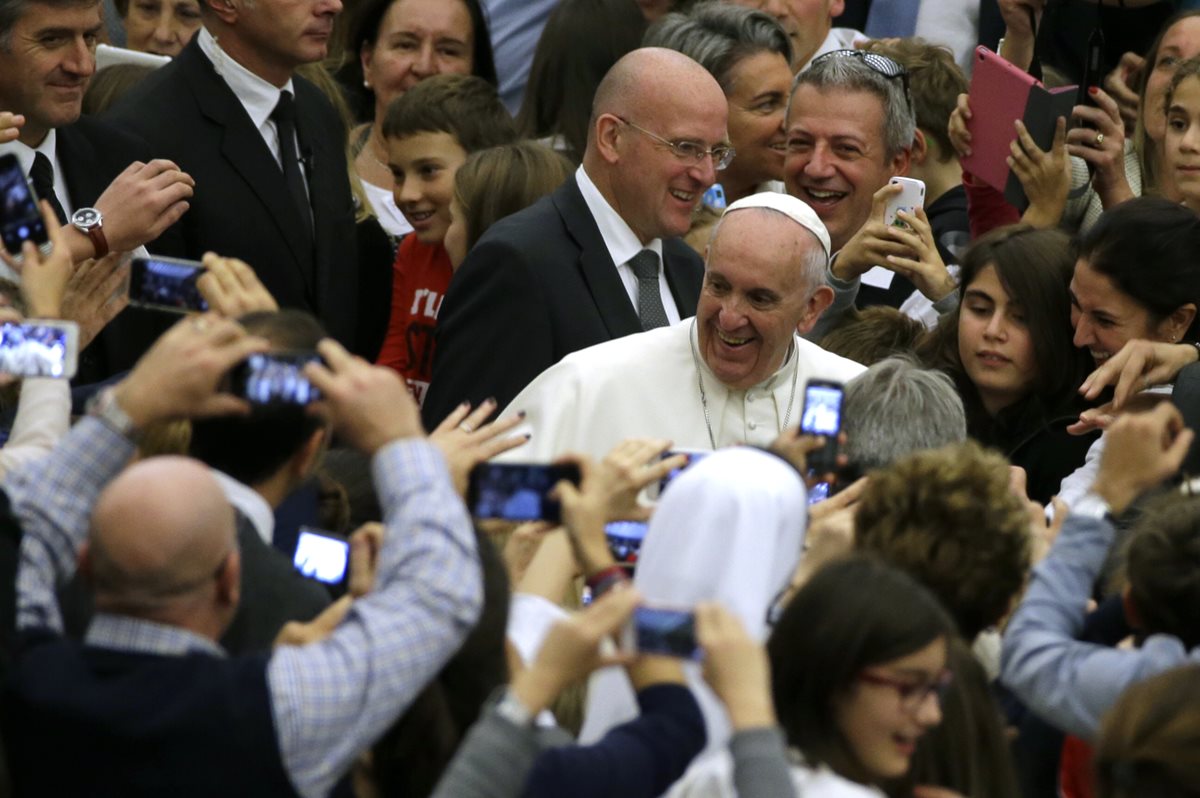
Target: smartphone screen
<point>20,219</point>
<point>823,416</point>
<point>625,540</point>
<point>166,284</point>
<point>693,456</point>
<point>39,348</point>
<point>321,555</point>
<point>657,630</point>
<point>517,491</point>
<point>275,379</point>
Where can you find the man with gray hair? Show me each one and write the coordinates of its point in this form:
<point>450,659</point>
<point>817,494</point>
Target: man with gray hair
<point>850,129</point>
<point>896,408</point>
<point>733,374</point>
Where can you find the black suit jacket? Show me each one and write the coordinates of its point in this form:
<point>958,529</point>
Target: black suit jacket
<point>92,154</point>
<point>538,286</point>
<point>241,206</point>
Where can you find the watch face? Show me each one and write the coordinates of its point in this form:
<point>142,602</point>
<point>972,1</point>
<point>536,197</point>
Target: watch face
<point>85,217</point>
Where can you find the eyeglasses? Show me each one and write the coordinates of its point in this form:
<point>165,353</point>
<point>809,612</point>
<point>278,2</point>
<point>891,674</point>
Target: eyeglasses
<point>880,64</point>
<point>690,151</point>
<point>912,694</point>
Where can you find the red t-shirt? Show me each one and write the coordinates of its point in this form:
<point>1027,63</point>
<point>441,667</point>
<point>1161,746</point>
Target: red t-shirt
<point>420,277</point>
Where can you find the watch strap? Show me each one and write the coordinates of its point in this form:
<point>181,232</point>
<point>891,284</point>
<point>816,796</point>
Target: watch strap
<point>105,407</point>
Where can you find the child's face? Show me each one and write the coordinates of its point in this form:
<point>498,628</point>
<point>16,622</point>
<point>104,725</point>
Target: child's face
<point>423,167</point>
<point>1182,140</point>
<point>456,235</point>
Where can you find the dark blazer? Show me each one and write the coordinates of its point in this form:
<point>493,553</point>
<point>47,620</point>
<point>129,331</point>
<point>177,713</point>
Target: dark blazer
<point>273,593</point>
<point>538,286</point>
<point>92,154</point>
<point>241,205</point>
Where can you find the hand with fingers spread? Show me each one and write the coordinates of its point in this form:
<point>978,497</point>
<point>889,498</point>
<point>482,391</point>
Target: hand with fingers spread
<point>93,295</point>
<point>1143,450</point>
<point>467,438</point>
<point>10,126</point>
<point>872,244</point>
<point>44,278</point>
<point>926,270</point>
<point>365,545</point>
<point>1045,176</point>
<point>1120,85</point>
<point>231,288</point>
<point>1103,146</point>
<point>370,406</point>
<point>180,375</point>
<point>1138,365</point>
<point>735,667</point>
<point>142,202</point>
<point>572,650</point>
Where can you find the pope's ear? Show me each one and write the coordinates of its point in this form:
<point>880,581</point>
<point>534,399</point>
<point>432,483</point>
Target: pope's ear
<point>820,299</point>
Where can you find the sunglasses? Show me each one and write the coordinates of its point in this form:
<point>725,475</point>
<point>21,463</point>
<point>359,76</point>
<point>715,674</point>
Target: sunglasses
<point>879,64</point>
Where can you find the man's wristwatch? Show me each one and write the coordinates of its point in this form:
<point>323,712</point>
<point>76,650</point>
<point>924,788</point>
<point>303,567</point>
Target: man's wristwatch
<point>90,222</point>
<point>104,406</point>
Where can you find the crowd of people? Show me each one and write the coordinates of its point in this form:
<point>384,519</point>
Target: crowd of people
<point>597,263</point>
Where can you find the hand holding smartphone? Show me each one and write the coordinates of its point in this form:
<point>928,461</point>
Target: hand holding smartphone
<point>323,556</point>
<point>823,416</point>
<point>661,630</point>
<point>20,218</point>
<point>911,197</point>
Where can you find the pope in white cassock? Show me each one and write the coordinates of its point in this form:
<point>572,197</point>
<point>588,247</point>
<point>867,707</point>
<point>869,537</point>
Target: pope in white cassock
<point>733,374</point>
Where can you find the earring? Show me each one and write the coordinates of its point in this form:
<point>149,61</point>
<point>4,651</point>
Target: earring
<point>366,83</point>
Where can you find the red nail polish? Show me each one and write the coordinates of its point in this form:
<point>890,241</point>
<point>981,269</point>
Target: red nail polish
<point>1093,90</point>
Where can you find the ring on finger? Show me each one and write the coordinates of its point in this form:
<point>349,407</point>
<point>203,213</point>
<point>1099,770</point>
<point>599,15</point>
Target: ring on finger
<point>1099,139</point>
<point>465,427</point>
<point>200,324</point>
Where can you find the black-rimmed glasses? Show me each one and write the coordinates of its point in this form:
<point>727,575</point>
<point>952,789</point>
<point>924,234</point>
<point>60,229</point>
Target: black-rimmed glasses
<point>880,64</point>
<point>690,151</point>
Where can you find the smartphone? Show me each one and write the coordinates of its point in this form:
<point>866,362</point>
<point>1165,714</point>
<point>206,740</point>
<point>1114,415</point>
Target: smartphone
<point>660,630</point>
<point>625,541</point>
<point>693,456</point>
<point>322,555</point>
<point>20,218</point>
<point>911,197</point>
<point>1093,74</point>
<point>517,491</point>
<point>166,284</point>
<point>275,379</point>
<point>823,416</point>
<point>39,348</point>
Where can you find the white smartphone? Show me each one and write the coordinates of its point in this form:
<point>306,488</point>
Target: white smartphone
<point>911,197</point>
<point>39,348</point>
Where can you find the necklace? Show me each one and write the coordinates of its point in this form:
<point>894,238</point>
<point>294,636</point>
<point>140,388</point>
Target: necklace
<point>704,395</point>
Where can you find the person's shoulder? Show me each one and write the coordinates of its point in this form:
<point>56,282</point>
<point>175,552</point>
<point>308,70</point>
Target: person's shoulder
<point>821,782</point>
<point>104,135</point>
<point>630,353</point>
<point>824,363</point>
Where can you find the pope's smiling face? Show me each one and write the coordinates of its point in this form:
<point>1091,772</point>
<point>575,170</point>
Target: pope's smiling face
<point>756,295</point>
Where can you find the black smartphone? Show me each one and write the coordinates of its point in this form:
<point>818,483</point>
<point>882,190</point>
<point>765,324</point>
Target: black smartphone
<point>823,416</point>
<point>275,379</point>
<point>39,348</point>
<point>321,555</point>
<point>659,630</point>
<point>693,456</point>
<point>1093,73</point>
<point>625,541</point>
<point>20,219</point>
<point>517,491</point>
<point>166,284</point>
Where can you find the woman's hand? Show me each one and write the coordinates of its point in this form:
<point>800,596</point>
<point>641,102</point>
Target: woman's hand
<point>1137,366</point>
<point>466,440</point>
<point>1103,146</point>
<point>735,667</point>
<point>1045,176</point>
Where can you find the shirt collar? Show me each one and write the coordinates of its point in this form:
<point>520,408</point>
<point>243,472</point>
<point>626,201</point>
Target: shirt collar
<point>25,153</point>
<point>256,95</point>
<point>135,635</point>
<point>249,503</point>
<point>619,238</point>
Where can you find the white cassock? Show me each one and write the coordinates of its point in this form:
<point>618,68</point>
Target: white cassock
<point>646,386</point>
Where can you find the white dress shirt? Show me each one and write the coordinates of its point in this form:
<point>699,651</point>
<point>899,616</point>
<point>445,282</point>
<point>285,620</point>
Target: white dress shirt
<point>48,147</point>
<point>623,244</point>
<point>249,503</point>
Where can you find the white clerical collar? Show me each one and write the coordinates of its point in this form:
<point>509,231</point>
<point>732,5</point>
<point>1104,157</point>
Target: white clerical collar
<point>249,503</point>
<point>258,96</point>
<point>619,238</point>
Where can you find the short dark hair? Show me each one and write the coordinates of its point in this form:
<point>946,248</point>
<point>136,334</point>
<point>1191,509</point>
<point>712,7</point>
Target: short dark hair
<point>934,80</point>
<point>464,106</point>
<point>252,448</point>
<point>948,518</point>
<point>1162,568</point>
<point>13,11</point>
<point>854,613</point>
<point>1147,246</point>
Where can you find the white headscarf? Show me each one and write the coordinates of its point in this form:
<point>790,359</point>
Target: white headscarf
<point>729,529</point>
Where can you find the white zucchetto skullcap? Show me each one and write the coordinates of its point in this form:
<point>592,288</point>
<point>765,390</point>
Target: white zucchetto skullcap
<point>794,208</point>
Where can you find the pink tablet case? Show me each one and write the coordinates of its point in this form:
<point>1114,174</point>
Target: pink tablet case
<point>1001,94</point>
